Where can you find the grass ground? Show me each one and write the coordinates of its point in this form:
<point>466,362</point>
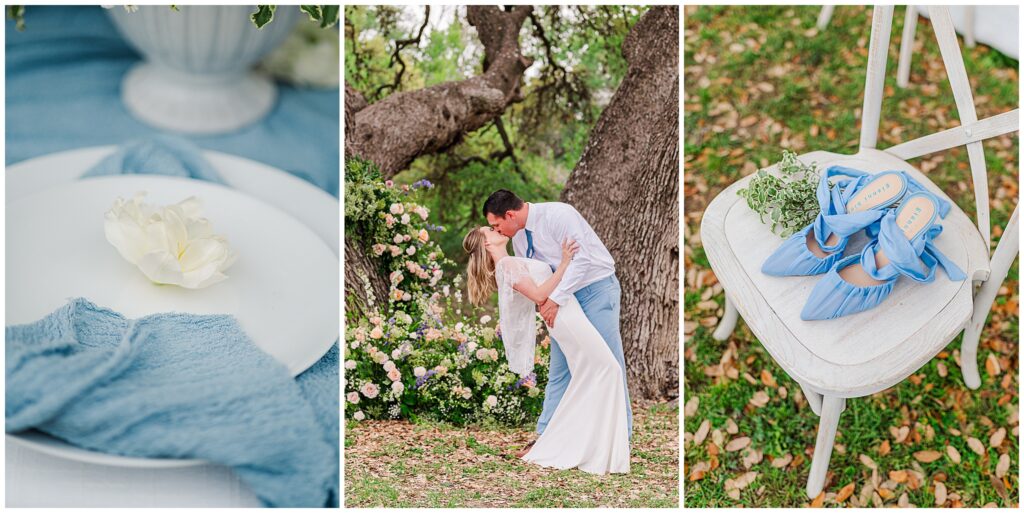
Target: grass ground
<point>430,465</point>
<point>761,79</point>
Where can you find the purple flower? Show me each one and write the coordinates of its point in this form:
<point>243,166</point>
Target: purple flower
<point>531,377</point>
<point>423,183</point>
<point>422,380</point>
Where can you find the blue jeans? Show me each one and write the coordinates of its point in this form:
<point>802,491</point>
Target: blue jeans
<point>600,302</point>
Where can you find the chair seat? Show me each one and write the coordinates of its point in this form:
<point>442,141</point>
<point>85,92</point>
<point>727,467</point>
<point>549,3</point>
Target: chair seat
<point>859,354</point>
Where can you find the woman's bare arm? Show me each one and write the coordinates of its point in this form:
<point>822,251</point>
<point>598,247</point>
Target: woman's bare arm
<point>539,293</point>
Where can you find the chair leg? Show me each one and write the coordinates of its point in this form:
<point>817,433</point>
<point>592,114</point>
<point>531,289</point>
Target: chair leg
<point>969,27</point>
<point>906,48</point>
<point>728,322</point>
<point>825,16</point>
<point>1002,259</point>
<point>969,353</point>
<point>831,408</point>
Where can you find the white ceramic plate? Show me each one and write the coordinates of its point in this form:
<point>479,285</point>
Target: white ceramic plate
<point>283,289</point>
<point>310,204</point>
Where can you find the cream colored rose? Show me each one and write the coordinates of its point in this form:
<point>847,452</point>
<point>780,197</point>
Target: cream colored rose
<point>171,245</point>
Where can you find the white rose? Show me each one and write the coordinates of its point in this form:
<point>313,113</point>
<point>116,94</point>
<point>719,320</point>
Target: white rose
<point>394,375</point>
<point>396,354</point>
<point>389,366</point>
<point>471,346</point>
<point>397,208</point>
<point>491,401</point>
<point>397,388</point>
<point>171,245</point>
<point>485,319</point>
<point>419,372</point>
<point>350,364</point>
<point>411,251</point>
<point>398,239</point>
<point>353,397</point>
<point>405,219</point>
<point>359,415</point>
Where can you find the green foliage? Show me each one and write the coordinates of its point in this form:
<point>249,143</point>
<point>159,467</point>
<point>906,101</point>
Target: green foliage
<point>564,92</point>
<point>325,15</point>
<point>788,200</point>
<point>264,14</point>
<point>17,13</point>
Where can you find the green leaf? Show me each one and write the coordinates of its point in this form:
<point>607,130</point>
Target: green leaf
<point>17,13</point>
<point>330,15</point>
<point>312,10</point>
<point>264,14</point>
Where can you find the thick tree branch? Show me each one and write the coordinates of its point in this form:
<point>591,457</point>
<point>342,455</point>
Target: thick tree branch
<point>396,130</point>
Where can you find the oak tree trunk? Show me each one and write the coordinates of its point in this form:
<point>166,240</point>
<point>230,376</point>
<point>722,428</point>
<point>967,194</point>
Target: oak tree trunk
<point>626,185</point>
<point>396,130</point>
<point>363,277</point>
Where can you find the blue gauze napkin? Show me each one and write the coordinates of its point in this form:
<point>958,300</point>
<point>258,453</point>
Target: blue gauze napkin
<point>177,385</point>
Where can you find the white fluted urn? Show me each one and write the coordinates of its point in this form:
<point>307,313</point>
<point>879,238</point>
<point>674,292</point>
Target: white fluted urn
<point>196,76</point>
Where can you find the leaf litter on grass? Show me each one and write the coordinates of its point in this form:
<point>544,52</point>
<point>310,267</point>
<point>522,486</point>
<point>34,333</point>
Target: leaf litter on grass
<point>477,467</point>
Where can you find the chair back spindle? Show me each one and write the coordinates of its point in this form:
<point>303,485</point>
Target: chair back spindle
<point>971,131</point>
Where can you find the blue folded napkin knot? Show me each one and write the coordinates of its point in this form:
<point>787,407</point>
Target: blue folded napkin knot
<point>169,386</point>
<point>165,155</point>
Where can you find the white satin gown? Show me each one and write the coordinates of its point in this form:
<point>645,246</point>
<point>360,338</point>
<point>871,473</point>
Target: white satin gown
<point>588,429</point>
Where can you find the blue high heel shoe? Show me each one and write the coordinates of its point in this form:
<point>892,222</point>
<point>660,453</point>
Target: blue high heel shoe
<point>855,201</point>
<point>903,248</point>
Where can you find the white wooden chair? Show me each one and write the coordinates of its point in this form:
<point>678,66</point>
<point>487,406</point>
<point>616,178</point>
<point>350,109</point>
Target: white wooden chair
<point>862,354</point>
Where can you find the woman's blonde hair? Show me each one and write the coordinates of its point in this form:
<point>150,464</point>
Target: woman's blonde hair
<point>480,278</point>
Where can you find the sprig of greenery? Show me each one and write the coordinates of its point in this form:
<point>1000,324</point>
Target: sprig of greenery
<point>787,200</point>
<point>325,15</point>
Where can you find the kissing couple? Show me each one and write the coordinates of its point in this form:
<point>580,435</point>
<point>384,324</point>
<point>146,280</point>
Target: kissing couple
<point>561,268</point>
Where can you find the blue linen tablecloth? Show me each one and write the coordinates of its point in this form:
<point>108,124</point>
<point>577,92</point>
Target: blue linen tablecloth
<point>63,76</point>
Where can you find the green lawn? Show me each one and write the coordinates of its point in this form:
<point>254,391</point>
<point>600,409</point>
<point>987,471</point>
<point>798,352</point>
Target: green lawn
<point>762,79</point>
<point>399,464</point>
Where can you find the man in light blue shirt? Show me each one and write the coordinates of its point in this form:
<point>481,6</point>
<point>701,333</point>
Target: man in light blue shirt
<point>537,231</point>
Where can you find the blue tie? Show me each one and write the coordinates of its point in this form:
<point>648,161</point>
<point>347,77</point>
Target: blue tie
<point>529,244</point>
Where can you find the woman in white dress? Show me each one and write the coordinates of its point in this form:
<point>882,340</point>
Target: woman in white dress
<point>588,429</point>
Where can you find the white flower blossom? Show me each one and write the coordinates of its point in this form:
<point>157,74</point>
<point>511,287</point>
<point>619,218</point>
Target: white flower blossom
<point>171,245</point>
